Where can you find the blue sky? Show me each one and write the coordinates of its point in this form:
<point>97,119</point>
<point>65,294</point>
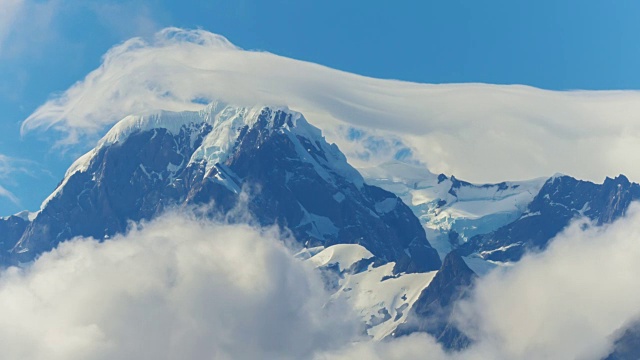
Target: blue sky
<point>50,44</point>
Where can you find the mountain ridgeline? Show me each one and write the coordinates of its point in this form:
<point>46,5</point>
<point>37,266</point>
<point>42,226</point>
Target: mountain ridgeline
<point>561,199</point>
<point>269,160</point>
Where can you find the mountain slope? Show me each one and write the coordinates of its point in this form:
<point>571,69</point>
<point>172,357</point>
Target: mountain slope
<point>269,161</point>
<point>561,199</point>
<point>434,309</point>
<point>11,229</point>
<point>381,298</point>
<point>627,345</point>
<point>448,207</point>
<point>500,222</point>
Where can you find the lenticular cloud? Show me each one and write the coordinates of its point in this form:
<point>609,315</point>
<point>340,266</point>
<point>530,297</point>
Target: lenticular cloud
<point>172,289</point>
<point>478,132</point>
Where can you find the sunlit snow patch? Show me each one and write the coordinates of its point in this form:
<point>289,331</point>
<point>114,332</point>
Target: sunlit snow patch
<point>381,299</point>
<point>445,203</point>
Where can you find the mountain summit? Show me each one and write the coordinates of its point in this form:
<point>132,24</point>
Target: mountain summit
<point>290,175</point>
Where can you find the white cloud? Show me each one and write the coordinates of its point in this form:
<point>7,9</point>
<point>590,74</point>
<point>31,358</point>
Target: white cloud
<point>566,302</point>
<point>478,132</point>
<point>9,168</point>
<point>172,289</point>
<point>181,288</point>
<point>415,346</point>
<point>9,195</point>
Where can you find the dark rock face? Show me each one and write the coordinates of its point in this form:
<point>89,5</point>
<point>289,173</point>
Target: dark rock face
<point>293,191</point>
<point>627,346</point>
<point>11,229</point>
<point>291,181</point>
<point>560,200</point>
<point>433,311</point>
<point>124,182</point>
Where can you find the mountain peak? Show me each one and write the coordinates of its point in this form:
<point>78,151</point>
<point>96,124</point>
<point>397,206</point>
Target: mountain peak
<point>620,179</point>
<point>218,114</point>
<point>293,178</point>
<point>454,266</point>
<point>219,125</point>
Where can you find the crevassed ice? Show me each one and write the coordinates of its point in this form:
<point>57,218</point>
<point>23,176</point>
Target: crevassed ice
<point>469,209</point>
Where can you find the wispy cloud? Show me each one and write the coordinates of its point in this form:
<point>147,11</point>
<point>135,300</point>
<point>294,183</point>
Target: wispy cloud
<point>11,169</point>
<point>8,167</point>
<point>9,195</point>
<point>479,132</point>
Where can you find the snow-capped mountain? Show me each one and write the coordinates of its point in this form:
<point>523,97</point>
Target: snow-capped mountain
<point>268,161</point>
<point>500,222</point>
<point>367,233</point>
<point>493,224</point>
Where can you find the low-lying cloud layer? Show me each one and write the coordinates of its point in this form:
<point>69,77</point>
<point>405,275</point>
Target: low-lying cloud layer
<point>173,289</point>
<point>182,288</point>
<point>566,302</point>
<point>478,132</point>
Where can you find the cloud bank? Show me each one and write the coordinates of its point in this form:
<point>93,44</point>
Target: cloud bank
<point>175,288</point>
<point>478,132</point>
<point>183,288</point>
<point>566,302</point>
